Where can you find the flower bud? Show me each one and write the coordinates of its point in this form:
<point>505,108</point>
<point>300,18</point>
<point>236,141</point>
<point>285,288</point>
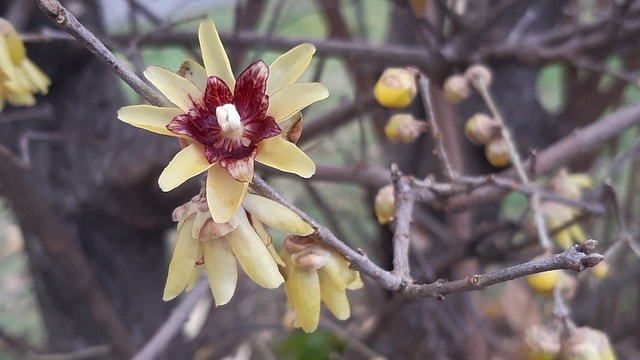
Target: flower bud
<point>480,129</point>
<point>479,74</point>
<point>385,205</point>
<point>587,344</point>
<point>395,88</point>
<point>541,343</point>
<point>543,282</point>
<point>497,153</point>
<point>403,128</point>
<point>456,89</point>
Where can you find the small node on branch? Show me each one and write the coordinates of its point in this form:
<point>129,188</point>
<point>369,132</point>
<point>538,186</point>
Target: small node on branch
<point>590,261</point>
<point>587,246</point>
<point>473,280</point>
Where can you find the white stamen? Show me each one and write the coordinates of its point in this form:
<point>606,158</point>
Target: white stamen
<point>228,118</point>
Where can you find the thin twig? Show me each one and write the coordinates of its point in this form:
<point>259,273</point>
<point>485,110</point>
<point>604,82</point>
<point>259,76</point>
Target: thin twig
<point>66,21</point>
<point>404,201</point>
<point>172,325</point>
<point>434,130</point>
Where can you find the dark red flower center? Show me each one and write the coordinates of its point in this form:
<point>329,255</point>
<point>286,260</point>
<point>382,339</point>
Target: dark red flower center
<point>230,125</point>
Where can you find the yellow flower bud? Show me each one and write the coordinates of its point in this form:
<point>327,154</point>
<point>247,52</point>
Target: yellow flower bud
<point>541,343</point>
<point>480,129</point>
<point>384,205</point>
<point>395,88</point>
<point>478,74</point>
<point>403,128</point>
<point>587,344</point>
<point>497,153</point>
<point>456,89</point>
<point>543,282</point>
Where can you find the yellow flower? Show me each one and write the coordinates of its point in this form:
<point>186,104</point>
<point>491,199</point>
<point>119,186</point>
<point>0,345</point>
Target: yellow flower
<point>204,245</point>
<point>20,78</point>
<point>556,215</point>
<point>314,273</point>
<point>226,123</point>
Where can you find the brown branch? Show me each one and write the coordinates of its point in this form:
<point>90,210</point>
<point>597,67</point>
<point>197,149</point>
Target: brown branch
<point>66,21</point>
<point>404,201</point>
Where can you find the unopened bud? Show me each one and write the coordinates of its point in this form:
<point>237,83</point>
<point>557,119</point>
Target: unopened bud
<point>541,343</point>
<point>395,88</point>
<point>543,282</point>
<point>479,74</point>
<point>497,152</point>
<point>480,129</point>
<point>403,128</point>
<point>385,205</point>
<point>456,89</point>
<point>587,344</point>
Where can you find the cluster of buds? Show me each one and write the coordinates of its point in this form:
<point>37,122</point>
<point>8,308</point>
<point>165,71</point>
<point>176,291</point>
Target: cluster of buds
<point>313,274</point>
<point>396,88</point>
<point>20,78</point>
<point>480,129</point>
<point>457,88</point>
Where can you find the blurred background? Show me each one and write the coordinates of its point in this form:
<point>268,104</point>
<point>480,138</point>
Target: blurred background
<point>86,234</point>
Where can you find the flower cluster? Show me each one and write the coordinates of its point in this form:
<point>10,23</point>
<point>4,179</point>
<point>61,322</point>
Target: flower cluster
<point>20,78</point>
<point>224,125</point>
<point>315,273</point>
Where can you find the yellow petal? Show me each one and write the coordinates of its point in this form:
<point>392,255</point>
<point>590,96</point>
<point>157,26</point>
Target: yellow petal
<point>150,118</point>
<point>285,156</point>
<point>266,239</point>
<point>185,254</point>
<point>6,65</point>
<point>224,194</point>
<point>303,291</point>
<point>357,283</point>
<point>287,68</point>
<point>188,163</point>
<point>253,255</point>
<point>195,275</point>
<point>195,73</point>
<point>338,271</point>
<point>563,239</point>
<point>213,55</point>
<point>222,270</point>
<point>334,297</point>
<point>177,89</point>
<point>38,79</point>
<point>294,98</point>
<point>276,215</point>
<point>577,234</point>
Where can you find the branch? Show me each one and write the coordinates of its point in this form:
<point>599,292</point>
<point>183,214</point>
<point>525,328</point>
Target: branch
<point>404,201</point>
<point>66,21</point>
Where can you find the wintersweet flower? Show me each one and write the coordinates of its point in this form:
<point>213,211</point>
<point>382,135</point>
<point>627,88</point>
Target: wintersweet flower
<point>20,78</point>
<point>226,123</point>
<point>314,273</point>
<point>206,246</point>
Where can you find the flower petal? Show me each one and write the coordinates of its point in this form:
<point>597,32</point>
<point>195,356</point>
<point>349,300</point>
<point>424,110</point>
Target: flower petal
<point>338,271</point>
<point>253,255</point>
<point>185,254</point>
<point>266,238</point>
<point>294,98</point>
<point>195,73</point>
<point>285,156</point>
<point>334,297</point>
<point>177,89</point>
<point>275,215</point>
<point>222,270</point>
<point>248,96</point>
<point>150,118</point>
<point>303,291</point>
<point>213,54</point>
<point>6,65</point>
<point>186,164</point>
<point>224,194</point>
<point>287,68</point>
<point>242,169</point>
